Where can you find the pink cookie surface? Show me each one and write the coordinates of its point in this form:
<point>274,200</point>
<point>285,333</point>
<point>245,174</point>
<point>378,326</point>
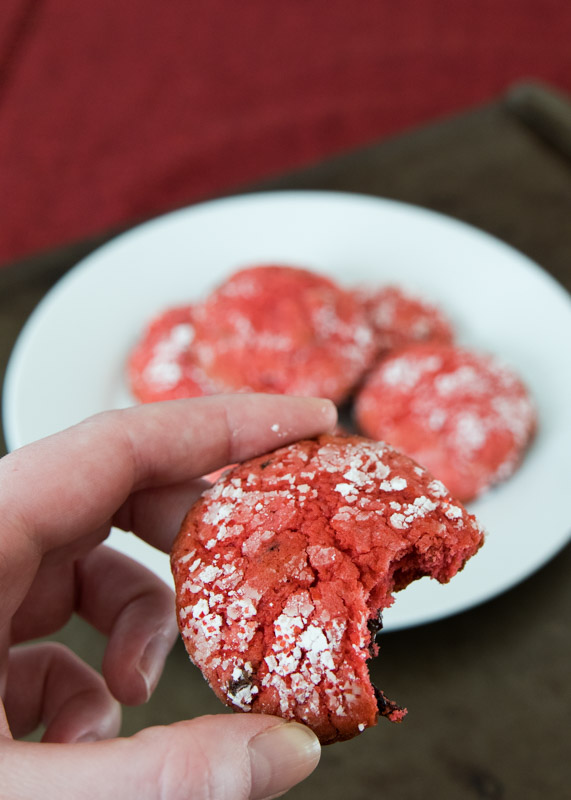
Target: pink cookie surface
<point>283,567</point>
<point>463,415</point>
<point>162,364</point>
<point>283,329</point>
<point>399,318</point>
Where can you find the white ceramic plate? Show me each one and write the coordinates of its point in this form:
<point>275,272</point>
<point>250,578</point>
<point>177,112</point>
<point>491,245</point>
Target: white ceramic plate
<point>69,361</point>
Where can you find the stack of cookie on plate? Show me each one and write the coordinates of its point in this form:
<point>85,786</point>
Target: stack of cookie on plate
<point>389,356</point>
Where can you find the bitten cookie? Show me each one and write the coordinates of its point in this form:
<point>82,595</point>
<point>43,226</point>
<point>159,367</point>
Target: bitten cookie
<point>399,319</point>
<point>463,415</point>
<point>285,330</point>
<point>283,567</point>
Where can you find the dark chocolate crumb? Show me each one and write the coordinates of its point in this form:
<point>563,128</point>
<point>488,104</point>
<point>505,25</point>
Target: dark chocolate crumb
<point>375,626</point>
<point>388,708</point>
<point>234,685</point>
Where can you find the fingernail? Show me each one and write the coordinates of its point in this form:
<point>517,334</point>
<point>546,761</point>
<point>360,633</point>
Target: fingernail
<point>86,737</point>
<point>280,757</point>
<point>152,661</point>
<point>329,411</point>
<point>326,409</point>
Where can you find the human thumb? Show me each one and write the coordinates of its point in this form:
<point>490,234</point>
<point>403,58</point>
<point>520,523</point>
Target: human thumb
<point>224,757</point>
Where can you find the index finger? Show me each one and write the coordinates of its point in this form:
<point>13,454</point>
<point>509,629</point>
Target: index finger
<point>69,484</point>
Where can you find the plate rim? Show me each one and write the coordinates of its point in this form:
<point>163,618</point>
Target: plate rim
<point>122,239</point>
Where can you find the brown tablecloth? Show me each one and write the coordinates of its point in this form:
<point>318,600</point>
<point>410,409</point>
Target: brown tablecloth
<point>488,691</point>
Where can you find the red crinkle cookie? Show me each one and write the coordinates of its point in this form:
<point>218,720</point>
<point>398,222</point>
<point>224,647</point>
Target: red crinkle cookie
<point>463,415</point>
<point>162,364</point>
<point>283,329</point>
<point>283,567</point>
<point>398,318</point>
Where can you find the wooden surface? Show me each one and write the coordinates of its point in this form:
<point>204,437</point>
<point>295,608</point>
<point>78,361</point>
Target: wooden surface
<point>488,691</point>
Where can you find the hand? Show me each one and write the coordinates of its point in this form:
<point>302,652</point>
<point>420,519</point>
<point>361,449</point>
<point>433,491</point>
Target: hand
<point>136,469</point>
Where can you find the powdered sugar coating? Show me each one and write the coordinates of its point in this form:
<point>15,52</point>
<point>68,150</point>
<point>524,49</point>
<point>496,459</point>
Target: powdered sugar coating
<point>283,329</point>
<point>464,415</point>
<point>279,572</point>
<point>266,328</point>
<point>161,365</point>
<point>399,319</point>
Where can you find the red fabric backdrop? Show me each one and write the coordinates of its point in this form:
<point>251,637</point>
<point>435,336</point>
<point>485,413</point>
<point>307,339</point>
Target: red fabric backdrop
<point>115,110</point>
